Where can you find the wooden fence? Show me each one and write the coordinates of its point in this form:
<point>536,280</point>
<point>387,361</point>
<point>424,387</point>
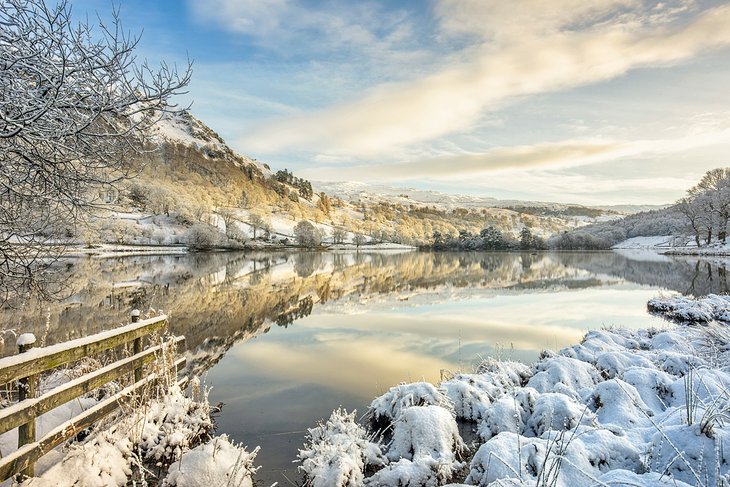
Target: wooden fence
<point>29,363</point>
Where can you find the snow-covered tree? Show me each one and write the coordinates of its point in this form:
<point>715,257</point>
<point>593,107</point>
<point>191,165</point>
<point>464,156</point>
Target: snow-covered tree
<point>75,106</point>
<point>307,234</point>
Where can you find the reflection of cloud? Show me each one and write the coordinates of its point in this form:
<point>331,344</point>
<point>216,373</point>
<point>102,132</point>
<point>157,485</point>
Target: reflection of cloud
<point>563,49</point>
<point>355,366</point>
<point>357,354</point>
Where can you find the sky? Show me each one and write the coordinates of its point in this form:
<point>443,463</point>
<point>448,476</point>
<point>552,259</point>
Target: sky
<point>580,101</point>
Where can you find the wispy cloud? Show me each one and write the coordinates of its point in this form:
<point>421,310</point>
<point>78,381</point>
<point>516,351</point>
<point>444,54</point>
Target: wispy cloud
<point>547,155</point>
<point>529,48</point>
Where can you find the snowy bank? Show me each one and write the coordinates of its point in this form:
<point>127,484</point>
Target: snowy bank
<point>168,432</point>
<point>644,408</point>
<point>692,310</point>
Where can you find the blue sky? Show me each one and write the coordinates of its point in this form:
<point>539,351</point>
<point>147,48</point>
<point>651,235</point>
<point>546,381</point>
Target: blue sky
<point>587,101</point>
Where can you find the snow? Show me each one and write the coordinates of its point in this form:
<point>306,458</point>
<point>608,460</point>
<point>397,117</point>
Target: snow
<point>390,405</point>
<point>158,433</point>
<point>25,339</point>
<point>694,310</point>
<point>641,407</point>
<point>218,462</point>
<point>338,451</point>
<point>655,242</point>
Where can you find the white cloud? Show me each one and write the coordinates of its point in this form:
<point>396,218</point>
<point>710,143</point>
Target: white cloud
<point>546,155</point>
<point>527,48</point>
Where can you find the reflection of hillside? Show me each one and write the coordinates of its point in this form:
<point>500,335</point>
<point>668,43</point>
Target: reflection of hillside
<point>225,297</point>
<point>698,277</point>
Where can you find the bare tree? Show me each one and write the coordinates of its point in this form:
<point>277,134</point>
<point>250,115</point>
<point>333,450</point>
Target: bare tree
<point>75,108</point>
<point>338,235</point>
<point>229,219</point>
<point>258,223</point>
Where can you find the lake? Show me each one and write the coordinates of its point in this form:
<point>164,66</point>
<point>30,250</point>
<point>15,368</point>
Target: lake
<point>285,338</point>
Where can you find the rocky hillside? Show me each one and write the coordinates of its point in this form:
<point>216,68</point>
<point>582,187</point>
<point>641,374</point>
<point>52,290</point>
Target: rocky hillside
<point>192,188</point>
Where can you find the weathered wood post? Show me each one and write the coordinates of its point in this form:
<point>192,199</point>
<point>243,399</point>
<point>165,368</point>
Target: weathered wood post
<point>26,389</point>
<point>137,347</point>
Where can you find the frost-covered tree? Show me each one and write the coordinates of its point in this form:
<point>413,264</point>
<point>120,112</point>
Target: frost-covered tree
<point>75,104</point>
<point>307,234</point>
<point>338,235</point>
<point>258,224</point>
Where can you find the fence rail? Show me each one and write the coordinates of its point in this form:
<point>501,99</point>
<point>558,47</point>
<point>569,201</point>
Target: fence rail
<point>27,365</point>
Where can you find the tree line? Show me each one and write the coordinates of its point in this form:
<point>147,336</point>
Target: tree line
<point>489,238</point>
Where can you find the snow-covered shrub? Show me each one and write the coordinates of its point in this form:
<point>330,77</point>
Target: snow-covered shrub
<point>389,406</point>
<point>653,386</point>
<point>509,413</point>
<point>469,398</point>
<point>338,451</point>
<point>571,372</point>
<point>167,427</point>
<point>559,412</point>
<point>217,462</point>
<point>504,373</point>
<point>614,364</point>
<point>158,433</point>
<point>618,403</point>
<point>567,459</point>
<point>427,472</point>
<point>105,459</point>
<point>686,309</point>
<point>427,436</point>
<point>690,456</point>
<point>677,363</point>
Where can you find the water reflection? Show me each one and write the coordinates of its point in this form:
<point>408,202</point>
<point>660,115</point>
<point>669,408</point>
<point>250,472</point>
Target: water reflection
<point>285,338</point>
<point>226,294</point>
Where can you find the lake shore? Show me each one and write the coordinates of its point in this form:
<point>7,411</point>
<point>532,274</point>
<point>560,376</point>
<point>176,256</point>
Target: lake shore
<point>641,407</point>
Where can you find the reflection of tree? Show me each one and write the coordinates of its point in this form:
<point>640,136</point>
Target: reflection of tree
<point>687,275</point>
<point>299,310</point>
<point>234,296</point>
<point>306,263</point>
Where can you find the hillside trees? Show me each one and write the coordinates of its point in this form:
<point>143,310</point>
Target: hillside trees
<point>707,206</point>
<point>74,104</point>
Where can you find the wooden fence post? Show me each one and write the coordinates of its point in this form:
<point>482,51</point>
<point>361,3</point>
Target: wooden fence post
<point>26,389</point>
<point>137,346</point>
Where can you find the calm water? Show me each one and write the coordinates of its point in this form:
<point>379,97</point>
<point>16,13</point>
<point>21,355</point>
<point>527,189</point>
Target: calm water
<point>285,338</point>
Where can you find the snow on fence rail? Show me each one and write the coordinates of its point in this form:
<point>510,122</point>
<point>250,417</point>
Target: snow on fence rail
<point>30,362</point>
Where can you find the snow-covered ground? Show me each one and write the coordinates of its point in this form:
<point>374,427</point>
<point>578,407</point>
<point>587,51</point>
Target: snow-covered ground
<point>673,245</point>
<point>642,408</point>
<point>663,242</point>
<point>692,310</point>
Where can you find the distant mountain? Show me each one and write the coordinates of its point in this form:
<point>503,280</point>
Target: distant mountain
<point>357,192</point>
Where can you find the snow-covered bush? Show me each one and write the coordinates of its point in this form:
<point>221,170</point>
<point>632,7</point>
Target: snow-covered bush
<point>509,413</point>
<point>217,462</point>
<point>554,411</point>
<point>157,433</point>
<point>469,398</point>
<point>388,407</point>
<point>618,403</point>
<point>571,372</point>
<point>428,439</point>
<point>689,455</point>
<point>166,428</point>
<point>338,451</point>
